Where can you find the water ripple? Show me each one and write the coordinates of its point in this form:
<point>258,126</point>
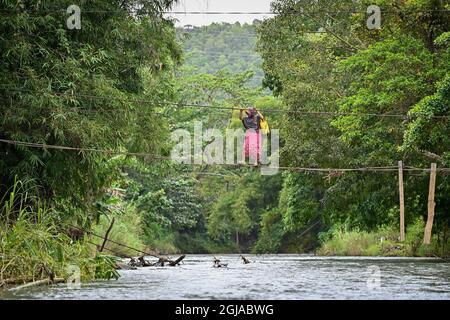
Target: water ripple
<point>270,277</point>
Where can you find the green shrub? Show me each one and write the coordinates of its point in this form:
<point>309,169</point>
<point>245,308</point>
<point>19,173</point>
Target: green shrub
<point>414,236</point>
<point>385,241</point>
<point>126,230</point>
<point>349,243</point>
<point>271,234</point>
<point>34,247</point>
<point>372,250</point>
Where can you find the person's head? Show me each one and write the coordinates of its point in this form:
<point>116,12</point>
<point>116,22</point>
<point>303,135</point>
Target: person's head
<point>251,111</point>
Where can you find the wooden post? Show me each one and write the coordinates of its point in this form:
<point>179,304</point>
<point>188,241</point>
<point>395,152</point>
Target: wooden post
<point>107,233</point>
<point>402,201</point>
<point>431,205</point>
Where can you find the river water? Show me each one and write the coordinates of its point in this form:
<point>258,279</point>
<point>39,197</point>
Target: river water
<point>268,277</point>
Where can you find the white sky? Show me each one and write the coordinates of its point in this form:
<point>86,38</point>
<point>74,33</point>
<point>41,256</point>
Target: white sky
<point>219,6</point>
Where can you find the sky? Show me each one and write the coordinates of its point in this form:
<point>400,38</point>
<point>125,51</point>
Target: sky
<point>219,6</point>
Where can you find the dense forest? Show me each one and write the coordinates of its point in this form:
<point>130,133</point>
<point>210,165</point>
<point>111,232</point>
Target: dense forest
<point>110,94</point>
<point>223,46</point>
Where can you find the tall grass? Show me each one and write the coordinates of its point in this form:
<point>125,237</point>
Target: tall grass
<point>126,230</point>
<point>350,243</point>
<point>32,246</point>
<point>384,242</point>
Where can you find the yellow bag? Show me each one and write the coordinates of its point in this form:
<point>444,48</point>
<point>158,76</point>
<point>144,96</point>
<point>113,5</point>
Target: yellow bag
<point>264,124</point>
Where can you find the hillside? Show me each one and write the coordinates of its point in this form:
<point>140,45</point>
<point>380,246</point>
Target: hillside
<point>230,47</point>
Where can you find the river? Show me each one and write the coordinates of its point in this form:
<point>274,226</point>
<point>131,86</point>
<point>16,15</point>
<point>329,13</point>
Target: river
<point>268,277</point>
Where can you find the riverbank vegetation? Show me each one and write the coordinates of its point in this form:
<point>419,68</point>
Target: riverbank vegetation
<point>402,68</point>
<point>383,242</point>
<point>114,90</point>
<point>77,88</point>
<point>35,246</point>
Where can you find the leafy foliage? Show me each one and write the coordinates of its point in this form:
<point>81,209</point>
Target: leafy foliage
<point>119,85</point>
<point>223,47</point>
<point>51,78</point>
<point>32,246</point>
<point>400,69</point>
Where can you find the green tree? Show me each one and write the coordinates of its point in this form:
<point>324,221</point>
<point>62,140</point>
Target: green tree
<point>400,69</point>
<point>79,88</point>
